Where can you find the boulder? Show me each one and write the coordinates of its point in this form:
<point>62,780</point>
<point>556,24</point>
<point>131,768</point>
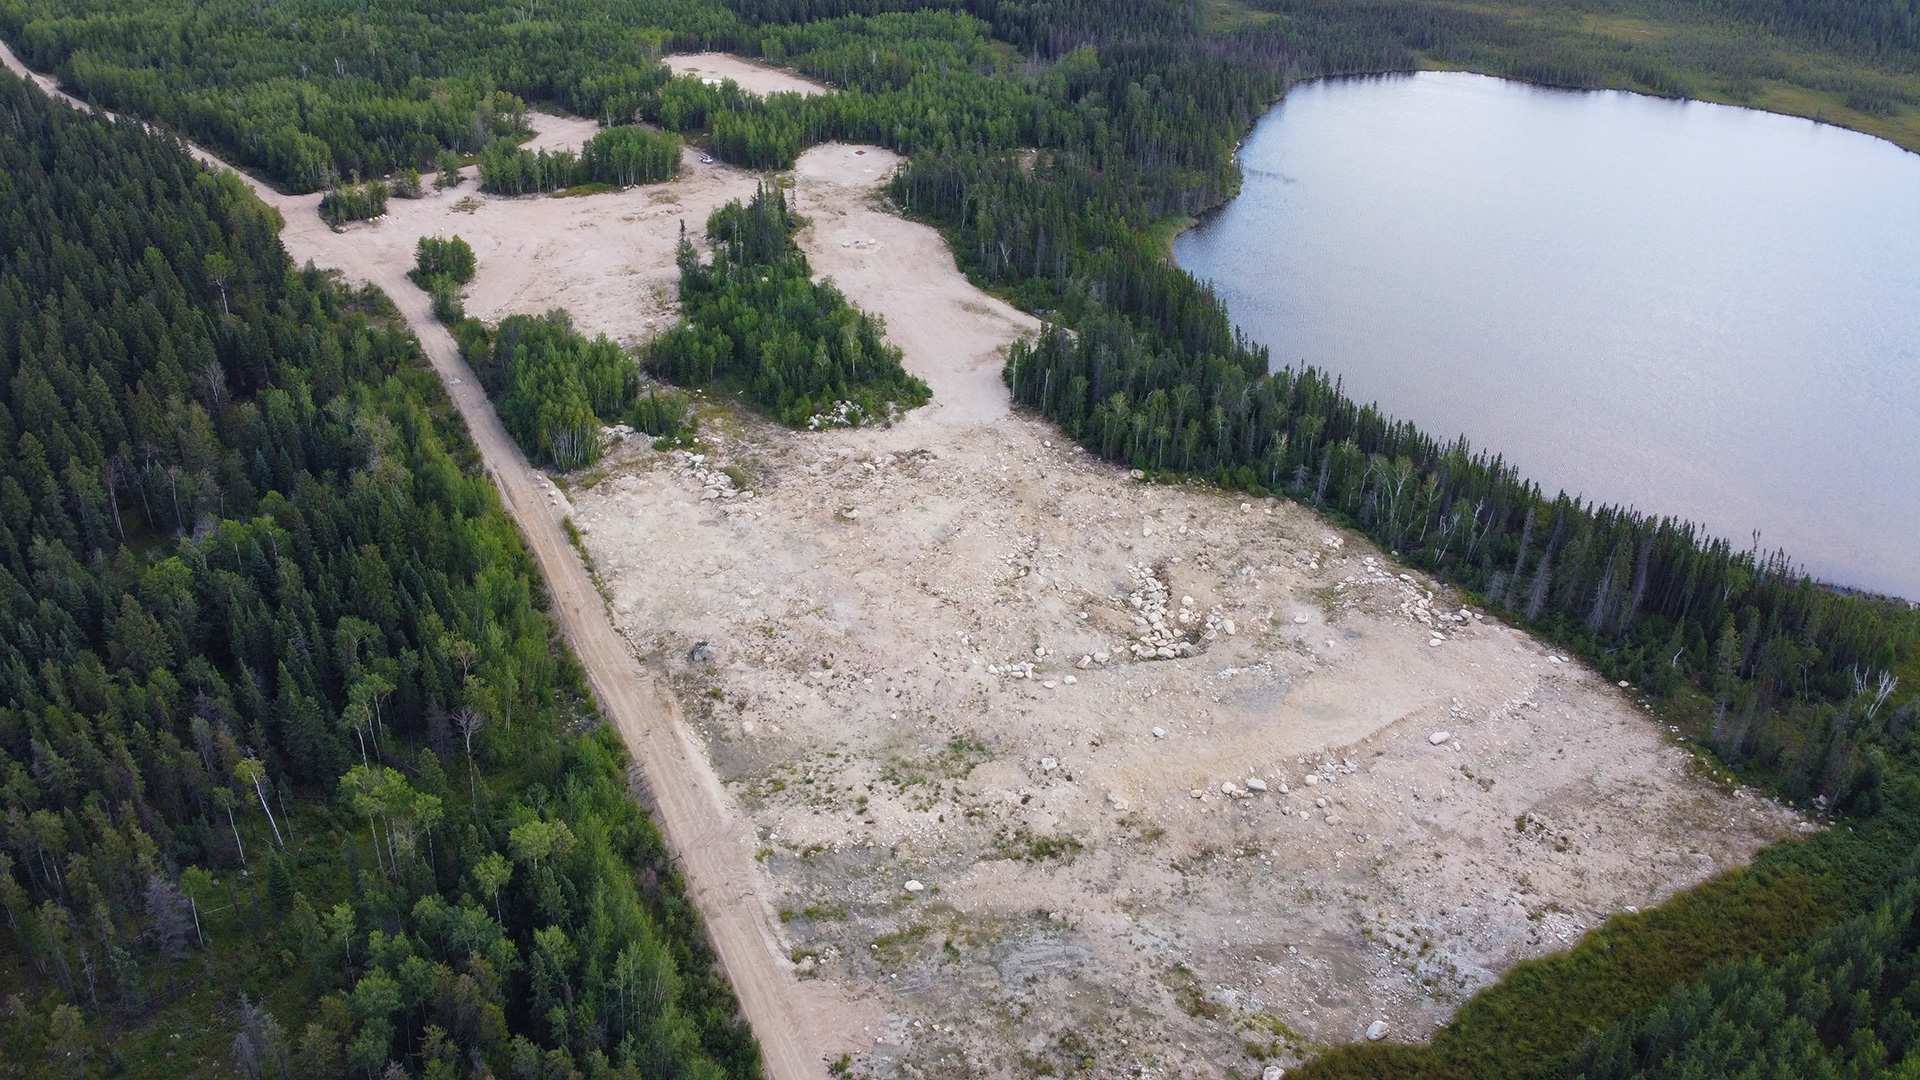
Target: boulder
<point>1377,1031</point>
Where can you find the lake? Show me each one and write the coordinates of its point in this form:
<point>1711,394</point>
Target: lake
<point>1692,309</point>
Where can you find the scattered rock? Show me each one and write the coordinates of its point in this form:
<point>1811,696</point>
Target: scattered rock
<point>1312,779</point>
<point>1301,619</point>
<point>914,886</point>
<point>1377,1030</point>
<point>1439,737</point>
<point>701,653</point>
<point>1159,733</point>
<point>1085,663</point>
<point>1254,783</point>
<point>1229,627</point>
<point>1272,1072</point>
<point>1048,764</point>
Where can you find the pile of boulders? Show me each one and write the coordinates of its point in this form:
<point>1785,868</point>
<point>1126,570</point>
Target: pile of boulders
<point>714,483</point>
<point>1162,635</point>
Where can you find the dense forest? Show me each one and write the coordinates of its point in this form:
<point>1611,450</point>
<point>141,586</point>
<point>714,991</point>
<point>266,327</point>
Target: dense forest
<point>755,324</point>
<point>292,764</point>
<point>1133,109</point>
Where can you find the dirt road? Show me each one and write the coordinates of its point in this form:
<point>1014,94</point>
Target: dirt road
<point>687,796</point>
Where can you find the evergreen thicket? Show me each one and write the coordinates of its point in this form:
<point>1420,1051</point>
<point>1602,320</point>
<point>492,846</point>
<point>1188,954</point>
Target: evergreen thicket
<point>756,324</point>
<point>439,260</point>
<point>618,157</point>
<point>291,761</point>
<point>354,202</point>
<point>553,387</point>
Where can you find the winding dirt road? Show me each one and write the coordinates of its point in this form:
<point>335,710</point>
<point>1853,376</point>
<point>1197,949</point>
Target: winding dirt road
<point>689,805</point>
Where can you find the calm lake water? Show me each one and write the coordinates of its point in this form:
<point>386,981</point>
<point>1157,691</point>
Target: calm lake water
<point>1692,309</point>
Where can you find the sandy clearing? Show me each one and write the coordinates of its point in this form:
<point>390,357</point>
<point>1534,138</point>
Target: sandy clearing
<point>950,333</point>
<point>870,610</point>
<point>607,259</point>
<point>554,132</point>
<point>751,77</point>
<point>1092,899</point>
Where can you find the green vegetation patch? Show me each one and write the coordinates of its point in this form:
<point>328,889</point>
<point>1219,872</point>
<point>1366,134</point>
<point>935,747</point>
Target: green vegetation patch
<point>757,325</point>
<point>294,773</point>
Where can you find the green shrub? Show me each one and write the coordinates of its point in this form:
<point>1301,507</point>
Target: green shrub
<point>353,202</point>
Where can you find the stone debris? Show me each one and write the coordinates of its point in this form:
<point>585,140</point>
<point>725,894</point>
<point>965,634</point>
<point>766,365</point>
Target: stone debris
<point>1156,639</point>
<point>1254,783</point>
<point>1048,764</point>
<point>1377,1030</point>
<point>701,653</point>
<point>1159,733</point>
<point>1272,1072</point>
<point>1439,737</point>
<point>714,483</point>
<point>915,886</point>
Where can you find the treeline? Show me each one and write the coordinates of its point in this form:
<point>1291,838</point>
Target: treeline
<point>620,157</point>
<point>1794,672</point>
<point>757,325</point>
<point>282,716</point>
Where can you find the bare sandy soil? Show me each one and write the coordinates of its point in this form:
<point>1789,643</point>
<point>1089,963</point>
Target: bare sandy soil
<point>914,654</point>
<point>751,77</point>
<point>911,655</point>
<point>1043,767</point>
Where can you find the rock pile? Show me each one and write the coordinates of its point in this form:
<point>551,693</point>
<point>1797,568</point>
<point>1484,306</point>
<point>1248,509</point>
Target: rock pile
<point>715,484</point>
<point>1157,639</point>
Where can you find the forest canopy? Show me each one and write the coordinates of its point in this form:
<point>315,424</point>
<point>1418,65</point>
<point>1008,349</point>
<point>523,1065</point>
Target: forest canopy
<point>291,760</point>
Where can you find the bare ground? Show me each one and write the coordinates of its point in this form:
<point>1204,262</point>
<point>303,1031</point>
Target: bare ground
<point>751,77</point>
<point>909,654</point>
